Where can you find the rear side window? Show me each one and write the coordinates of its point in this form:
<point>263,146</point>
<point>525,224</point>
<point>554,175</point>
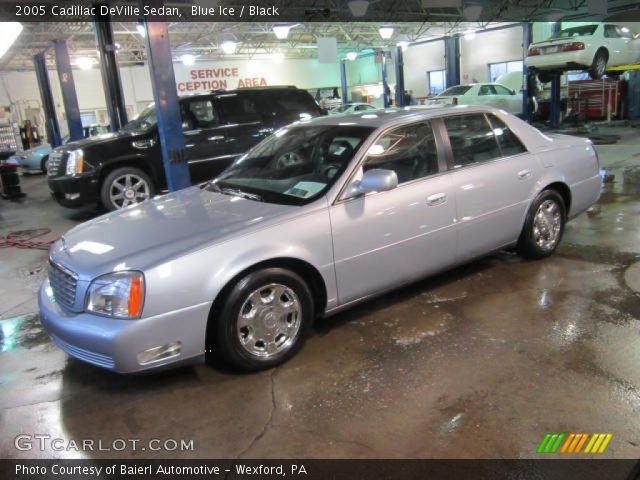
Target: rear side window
<point>291,105</point>
<point>239,108</point>
<point>509,143</point>
<point>472,139</point>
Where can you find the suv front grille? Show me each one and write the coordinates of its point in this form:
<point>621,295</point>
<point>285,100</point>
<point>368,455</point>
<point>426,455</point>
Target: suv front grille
<point>63,283</point>
<point>56,165</point>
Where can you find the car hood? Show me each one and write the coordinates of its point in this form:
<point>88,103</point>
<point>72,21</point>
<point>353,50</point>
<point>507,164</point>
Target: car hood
<point>160,229</point>
<point>40,149</point>
<point>98,140</point>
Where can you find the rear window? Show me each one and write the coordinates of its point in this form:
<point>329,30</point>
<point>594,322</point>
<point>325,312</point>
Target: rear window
<point>581,31</point>
<point>455,91</point>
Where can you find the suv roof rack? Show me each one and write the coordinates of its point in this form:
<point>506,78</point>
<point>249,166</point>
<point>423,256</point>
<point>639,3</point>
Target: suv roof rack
<point>274,87</point>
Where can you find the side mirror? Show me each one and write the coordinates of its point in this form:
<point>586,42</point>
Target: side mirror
<point>375,180</point>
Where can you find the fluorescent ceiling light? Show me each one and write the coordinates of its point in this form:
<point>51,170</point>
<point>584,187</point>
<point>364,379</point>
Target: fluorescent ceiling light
<point>229,47</point>
<point>85,63</point>
<point>10,32</point>
<point>351,56</point>
<point>141,30</point>
<point>358,7</point>
<point>281,31</point>
<point>386,32</point>
<point>469,34</point>
<point>188,59</point>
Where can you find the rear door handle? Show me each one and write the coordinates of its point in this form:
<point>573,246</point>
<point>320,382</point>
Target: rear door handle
<point>522,174</point>
<point>216,138</point>
<point>436,199</point>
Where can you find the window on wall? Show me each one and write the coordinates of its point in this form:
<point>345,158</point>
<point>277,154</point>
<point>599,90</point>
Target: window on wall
<point>436,81</point>
<point>501,68</point>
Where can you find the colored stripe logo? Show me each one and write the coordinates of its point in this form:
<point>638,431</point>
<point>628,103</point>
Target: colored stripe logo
<point>574,443</point>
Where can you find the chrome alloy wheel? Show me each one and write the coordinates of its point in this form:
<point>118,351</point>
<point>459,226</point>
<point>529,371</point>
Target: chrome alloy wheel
<point>128,189</point>
<point>601,65</point>
<point>269,320</point>
<point>547,224</point>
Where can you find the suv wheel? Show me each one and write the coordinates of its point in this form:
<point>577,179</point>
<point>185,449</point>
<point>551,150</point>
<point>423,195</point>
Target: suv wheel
<point>264,320</point>
<point>124,187</point>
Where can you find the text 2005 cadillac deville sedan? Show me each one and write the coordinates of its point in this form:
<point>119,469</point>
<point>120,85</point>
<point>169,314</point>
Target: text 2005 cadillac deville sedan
<point>321,215</point>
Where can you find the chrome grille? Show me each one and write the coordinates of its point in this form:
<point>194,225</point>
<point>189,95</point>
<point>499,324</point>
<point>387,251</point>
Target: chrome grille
<point>55,166</point>
<point>63,283</point>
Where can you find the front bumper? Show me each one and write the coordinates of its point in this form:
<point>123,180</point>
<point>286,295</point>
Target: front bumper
<point>115,344</point>
<point>75,192</point>
<point>561,60</point>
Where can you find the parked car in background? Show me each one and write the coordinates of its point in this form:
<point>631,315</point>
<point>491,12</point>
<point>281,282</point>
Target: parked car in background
<point>319,216</point>
<point>351,108</point>
<point>490,94</point>
<point>125,168</point>
<point>591,47</point>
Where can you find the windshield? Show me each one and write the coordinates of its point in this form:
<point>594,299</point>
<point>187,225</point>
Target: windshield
<point>294,166</point>
<point>453,91</point>
<point>144,121</point>
<point>581,31</point>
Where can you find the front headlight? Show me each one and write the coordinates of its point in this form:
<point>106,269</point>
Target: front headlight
<point>75,162</point>
<point>119,294</point>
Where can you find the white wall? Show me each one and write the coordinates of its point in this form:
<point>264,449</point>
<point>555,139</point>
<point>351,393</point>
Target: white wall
<point>418,60</point>
<point>495,46</point>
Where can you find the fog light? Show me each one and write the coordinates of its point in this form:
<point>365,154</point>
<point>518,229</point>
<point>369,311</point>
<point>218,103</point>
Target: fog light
<point>162,352</point>
<point>71,196</point>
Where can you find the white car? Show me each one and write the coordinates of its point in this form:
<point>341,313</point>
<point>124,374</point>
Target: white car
<point>591,47</point>
<point>489,94</point>
<point>351,108</point>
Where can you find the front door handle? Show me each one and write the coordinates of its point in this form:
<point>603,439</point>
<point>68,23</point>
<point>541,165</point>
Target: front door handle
<point>436,199</point>
<point>522,174</point>
<point>216,138</point>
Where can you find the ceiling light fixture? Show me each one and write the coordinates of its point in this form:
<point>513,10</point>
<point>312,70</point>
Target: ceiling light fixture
<point>386,32</point>
<point>187,59</point>
<point>281,31</point>
<point>10,32</point>
<point>358,7</point>
<point>351,56</point>
<point>85,63</point>
<point>229,47</point>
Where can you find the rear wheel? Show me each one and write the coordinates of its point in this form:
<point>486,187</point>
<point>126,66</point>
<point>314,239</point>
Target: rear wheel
<point>599,65</point>
<point>264,320</point>
<point>543,227</point>
<point>124,187</point>
<point>545,77</point>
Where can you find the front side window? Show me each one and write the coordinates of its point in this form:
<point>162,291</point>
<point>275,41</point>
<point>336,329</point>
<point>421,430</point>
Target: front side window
<point>472,139</point>
<point>144,121</point>
<point>410,151</point>
<point>500,90</point>
<point>487,90</point>
<point>198,114</point>
<point>294,166</point>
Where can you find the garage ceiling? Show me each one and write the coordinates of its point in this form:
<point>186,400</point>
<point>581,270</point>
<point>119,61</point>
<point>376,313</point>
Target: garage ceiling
<point>257,39</point>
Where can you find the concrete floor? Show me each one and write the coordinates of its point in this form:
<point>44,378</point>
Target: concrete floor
<point>480,362</point>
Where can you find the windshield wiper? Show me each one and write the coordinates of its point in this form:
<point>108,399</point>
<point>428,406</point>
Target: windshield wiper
<point>239,193</point>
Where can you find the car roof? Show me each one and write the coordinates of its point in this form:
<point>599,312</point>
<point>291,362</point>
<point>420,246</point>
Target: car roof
<point>395,116</point>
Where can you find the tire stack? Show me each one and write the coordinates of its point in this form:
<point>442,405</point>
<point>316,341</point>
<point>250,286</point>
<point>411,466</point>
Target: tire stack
<point>10,182</point>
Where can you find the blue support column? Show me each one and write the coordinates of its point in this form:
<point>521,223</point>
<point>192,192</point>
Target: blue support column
<point>68,87</point>
<point>343,82</point>
<point>385,82</point>
<point>452,60</point>
<point>399,66</point>
<point>527,94</point>
<point>46,96</point>
<point>110,73</point>
<point>167,105</point>
<point>554,110</point>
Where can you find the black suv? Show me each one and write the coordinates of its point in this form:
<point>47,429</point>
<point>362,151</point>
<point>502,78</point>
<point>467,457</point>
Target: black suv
<point>124,168</point>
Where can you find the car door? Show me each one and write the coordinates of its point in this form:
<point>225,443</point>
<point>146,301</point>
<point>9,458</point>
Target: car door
<point>493,177</point>
<point>384,239</point>
<point>204,136</point>
<point>507,99</point>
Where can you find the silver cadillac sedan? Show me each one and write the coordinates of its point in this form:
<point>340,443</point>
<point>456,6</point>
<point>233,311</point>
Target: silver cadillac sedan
<point>323,214</point>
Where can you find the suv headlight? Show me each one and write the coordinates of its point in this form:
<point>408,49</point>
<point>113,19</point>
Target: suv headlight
<point>75,162</point>
<point>119,295</point>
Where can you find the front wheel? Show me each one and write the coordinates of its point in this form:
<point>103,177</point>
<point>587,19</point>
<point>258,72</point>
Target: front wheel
<point>264,320</point>
<point>124,187</point>
<point>543,227</point>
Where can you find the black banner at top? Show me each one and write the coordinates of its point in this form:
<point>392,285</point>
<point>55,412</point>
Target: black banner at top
<point>315,11</point>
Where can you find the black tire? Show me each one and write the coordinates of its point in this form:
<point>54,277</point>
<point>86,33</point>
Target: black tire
<point>223,338</point>
<point>599,65</point>
<point>529,243</point>
<point>545,77</point>
<point>43,164</point>
<point>116,176</point>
